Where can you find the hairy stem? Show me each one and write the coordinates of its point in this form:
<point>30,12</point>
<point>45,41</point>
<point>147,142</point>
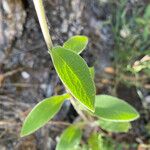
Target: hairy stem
<point>43,23</point>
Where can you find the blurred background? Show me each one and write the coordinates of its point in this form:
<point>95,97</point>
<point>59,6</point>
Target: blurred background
<point>119,49</point>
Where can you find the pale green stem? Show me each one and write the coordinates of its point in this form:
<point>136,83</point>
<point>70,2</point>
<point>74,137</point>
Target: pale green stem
<point>44,27</point>
<point>43,23</point>
<point>78,110</point>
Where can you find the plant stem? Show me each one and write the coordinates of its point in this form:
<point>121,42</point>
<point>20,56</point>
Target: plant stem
<point>44,27</point>
<point>43,23</point>
<point>78,110</point>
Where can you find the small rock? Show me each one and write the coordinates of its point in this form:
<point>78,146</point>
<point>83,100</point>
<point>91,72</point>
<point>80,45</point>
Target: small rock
<point>49,90</point>
<point>25,75</point>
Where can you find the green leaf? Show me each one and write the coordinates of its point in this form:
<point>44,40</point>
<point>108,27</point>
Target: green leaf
<point>114,109</point>
<point>42,113</point>
<point>146,33</point>
<point>74,73</point>
<point>140,21</point>
<point>76,43</point>
<point>92,72</point>
<point>95,142</point>
<point>69,139</point>
<point>112,126</point>
<point>147,12</point>
<point>108,144</point>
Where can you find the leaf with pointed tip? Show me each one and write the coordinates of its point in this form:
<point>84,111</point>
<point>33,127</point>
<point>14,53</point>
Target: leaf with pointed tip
<point>42,113</point>
<point>74,73</point>
<point>114,109</point>
<point>69,139</point>
<point>76,43</point>
<point>112,126</point>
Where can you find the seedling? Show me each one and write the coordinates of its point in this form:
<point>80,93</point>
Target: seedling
<point>78,80</point>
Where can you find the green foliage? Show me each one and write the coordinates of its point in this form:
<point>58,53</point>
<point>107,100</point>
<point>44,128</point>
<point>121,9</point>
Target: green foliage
<point>145,65</point>
<point>111,126</point>
<point>70,139</point>
<point>147,12</point>
<point>131,32</point>
<point>74,73</point>
<point>92,72</point>
<point>143,22</point>
<point>77,77</point>
<point>42,113</point>
<point>76,43</point>
<point>95,142</point>
<point>108,144</point>
<point>114,109</point>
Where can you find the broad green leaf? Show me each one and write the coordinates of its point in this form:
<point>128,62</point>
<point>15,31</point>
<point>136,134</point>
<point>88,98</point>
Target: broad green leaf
<point>112,126</point>
<point>92,71</point>
<point>76,43</point>
<point>74,73</point>
<point>42,113</point>
<point>95,142</point>
<point>69,139</point>
<point>114,109</point>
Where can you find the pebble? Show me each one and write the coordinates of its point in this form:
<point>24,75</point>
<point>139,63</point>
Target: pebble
<point>49,90</point>
<point>25,75</point>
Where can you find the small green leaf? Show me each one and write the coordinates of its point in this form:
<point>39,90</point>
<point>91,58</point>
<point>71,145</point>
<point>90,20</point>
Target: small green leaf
<point>95,142</point>
<point>74,73</point>
<point>42,113</point>
<point>69,139</point>
<point>76,43</point>
<point>92,72</point>
<point>112,126</point>
<point>114,109</point>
